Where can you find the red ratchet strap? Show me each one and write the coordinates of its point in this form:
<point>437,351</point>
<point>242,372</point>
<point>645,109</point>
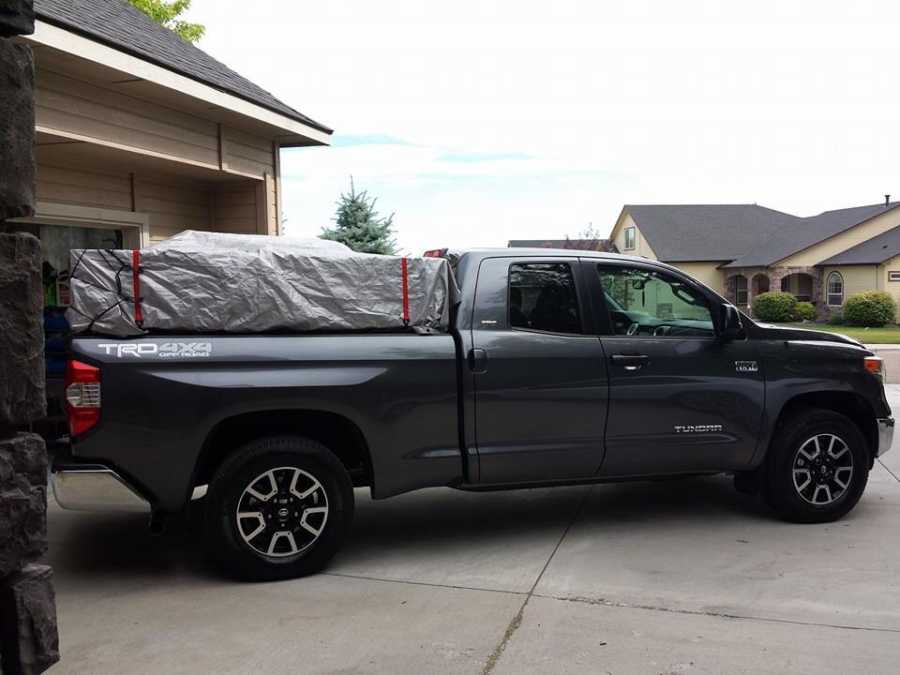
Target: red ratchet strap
<point>136,286</point>
<point>404,273</point>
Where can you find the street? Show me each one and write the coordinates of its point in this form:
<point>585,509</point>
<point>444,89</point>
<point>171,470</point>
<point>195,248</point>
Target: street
<point>683,576</point>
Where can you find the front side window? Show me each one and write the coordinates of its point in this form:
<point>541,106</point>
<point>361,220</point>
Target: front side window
<point>542,297</point>
<point>629,238</point>
<point>835,289</point>
<point>647,303</point>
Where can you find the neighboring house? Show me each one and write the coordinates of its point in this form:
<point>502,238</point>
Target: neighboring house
<point>576,244</point>
<point>742,250</point>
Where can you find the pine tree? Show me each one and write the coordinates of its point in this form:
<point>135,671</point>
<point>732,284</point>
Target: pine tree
<point>358,225</point>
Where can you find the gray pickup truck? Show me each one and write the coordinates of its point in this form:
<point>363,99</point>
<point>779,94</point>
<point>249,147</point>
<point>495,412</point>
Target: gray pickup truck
<point>561,367</point>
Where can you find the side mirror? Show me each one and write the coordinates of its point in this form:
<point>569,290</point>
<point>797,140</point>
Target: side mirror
<point>730,325</point>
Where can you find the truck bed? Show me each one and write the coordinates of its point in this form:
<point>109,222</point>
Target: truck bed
<point>163,398</point>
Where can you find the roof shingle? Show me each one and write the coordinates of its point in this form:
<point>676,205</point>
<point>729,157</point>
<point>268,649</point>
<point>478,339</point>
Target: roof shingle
<point>121,26</point>
<point>740,235</point>
<point>706,232</point>
<point>806,232</point>
<point>871,252</point>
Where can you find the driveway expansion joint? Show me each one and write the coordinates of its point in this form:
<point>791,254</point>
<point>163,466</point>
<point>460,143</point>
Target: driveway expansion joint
<point>517,619</point>
<point>430,584</point>
<point>720,615</point>
<point>885,467</point>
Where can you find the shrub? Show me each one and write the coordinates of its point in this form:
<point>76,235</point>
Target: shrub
<point>774,306</point>
<point>805,311</point>
<point>869,308</point>
<point>836,319</point>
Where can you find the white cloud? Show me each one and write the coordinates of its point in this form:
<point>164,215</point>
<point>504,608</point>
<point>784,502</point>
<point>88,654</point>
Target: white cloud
<point>574,107</point>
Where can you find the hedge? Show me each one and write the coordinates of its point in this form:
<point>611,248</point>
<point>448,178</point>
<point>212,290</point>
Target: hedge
<point>805,311</point>
<point>774,306</point>
<point>869,308</point>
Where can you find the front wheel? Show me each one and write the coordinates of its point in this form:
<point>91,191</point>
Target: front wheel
<point>817,468</point>
<point>278,508</point>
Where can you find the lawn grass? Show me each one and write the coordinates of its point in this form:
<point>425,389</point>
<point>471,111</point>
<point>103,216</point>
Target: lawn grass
<point>885,335</point>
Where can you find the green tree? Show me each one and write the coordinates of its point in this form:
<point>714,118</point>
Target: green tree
<point>358,225</point>
<point>166,13</point>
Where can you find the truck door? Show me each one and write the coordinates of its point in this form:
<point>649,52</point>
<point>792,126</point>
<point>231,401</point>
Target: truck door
<point>539,373</point>
<point>681,399</point>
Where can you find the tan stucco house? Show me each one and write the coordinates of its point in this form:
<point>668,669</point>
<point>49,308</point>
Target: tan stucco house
<point>741,250</point>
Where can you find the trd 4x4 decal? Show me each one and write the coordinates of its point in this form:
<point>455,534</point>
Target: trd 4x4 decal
<point>164,350</point>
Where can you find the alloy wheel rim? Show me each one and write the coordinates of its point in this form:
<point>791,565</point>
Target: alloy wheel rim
<point>823,469</point>
<point>282,512</point>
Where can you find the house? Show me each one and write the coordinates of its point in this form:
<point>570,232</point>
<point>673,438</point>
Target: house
<point>742,250</point>
<point>140,135</point>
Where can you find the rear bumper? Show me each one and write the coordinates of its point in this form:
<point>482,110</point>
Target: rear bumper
<point>95,488</point>
<point>885,435</point>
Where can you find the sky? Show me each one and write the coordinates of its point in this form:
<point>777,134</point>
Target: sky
<point>480,121</point>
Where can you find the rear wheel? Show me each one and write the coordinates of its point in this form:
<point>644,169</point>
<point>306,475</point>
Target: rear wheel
<point>278,508</point>
<point>818,468</point>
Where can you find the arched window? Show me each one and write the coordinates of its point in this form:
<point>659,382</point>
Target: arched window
<point>835,290</point>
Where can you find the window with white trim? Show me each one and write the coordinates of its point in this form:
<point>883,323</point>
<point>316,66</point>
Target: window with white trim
<point>629,239</point>
<point>835,290</point>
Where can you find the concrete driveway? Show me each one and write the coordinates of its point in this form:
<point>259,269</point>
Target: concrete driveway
<point>670,577</point>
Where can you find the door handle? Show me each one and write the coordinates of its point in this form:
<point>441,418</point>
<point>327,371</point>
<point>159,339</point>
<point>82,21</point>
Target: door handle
<point>477,359</point>
<point>630,362</point>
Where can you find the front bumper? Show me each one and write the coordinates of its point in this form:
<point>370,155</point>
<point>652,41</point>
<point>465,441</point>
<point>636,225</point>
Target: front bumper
<point>95,488</point>
<point>885,435</point>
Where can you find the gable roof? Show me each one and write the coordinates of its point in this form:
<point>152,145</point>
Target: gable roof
<point>871,252</point>
<point>706,232</point>
<point>121,26</point>
<point>740,235</point>
<point>570,244</point>
<point>806,232</point>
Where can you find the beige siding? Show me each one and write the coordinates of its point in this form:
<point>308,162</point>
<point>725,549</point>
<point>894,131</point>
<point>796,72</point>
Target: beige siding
<point>641,245</point>
<point>75,108</point>
<point>841,242</point>
<point>235,208</point>
<point>892,287</point>
<point>83,188</point>
<point>858,278</point>
<point>706,273</point>
<point>245,154</point>
<point>173,204</point>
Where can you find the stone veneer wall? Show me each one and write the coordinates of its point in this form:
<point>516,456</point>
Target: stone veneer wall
<point>28,634</point>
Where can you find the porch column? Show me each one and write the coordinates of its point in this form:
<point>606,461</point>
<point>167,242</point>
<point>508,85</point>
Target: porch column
<point>28,635</point>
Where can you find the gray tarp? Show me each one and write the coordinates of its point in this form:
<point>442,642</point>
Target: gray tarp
<point>209,282</point>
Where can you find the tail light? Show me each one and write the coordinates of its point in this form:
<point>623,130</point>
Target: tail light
<point>82,396</point>
<point>875,365</point>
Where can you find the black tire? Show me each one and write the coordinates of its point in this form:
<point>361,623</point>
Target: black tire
<point>794,443</point>
<point>247,472</point>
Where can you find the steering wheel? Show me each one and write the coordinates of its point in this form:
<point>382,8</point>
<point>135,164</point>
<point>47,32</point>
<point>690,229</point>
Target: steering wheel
<point>661,330</point>
<point>633,328</point>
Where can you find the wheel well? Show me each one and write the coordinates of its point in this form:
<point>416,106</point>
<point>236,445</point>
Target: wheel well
<point>852,406</point>
<point>339,434</point>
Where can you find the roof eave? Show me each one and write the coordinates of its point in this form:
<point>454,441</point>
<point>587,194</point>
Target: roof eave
<point>49,34</point>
